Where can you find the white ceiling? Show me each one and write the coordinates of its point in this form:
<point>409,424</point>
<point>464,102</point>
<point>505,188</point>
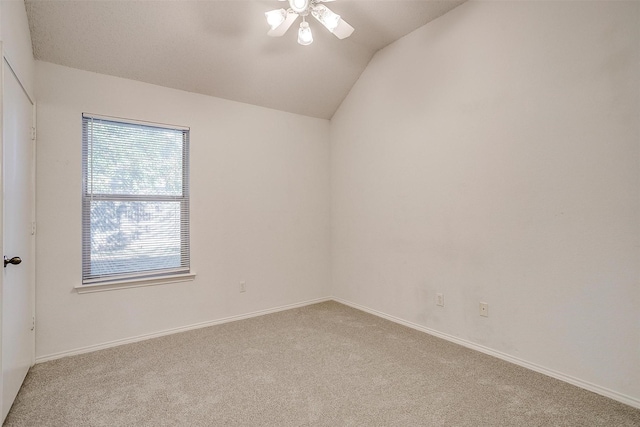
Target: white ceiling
<point>221,48</point>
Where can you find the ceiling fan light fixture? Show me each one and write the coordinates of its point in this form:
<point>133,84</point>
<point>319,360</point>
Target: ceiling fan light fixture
<point>326,17</point>
<point>276,17</point>
<point>280,20</point>
<point>305,37</point>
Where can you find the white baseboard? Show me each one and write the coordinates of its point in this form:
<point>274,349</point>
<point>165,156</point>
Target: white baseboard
<point>628,400</point>
<point>96,347</point>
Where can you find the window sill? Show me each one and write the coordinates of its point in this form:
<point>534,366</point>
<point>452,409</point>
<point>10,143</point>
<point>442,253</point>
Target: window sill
<point>135,283</point>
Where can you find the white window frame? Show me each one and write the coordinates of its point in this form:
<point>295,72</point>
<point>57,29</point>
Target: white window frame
<point>142,278</point>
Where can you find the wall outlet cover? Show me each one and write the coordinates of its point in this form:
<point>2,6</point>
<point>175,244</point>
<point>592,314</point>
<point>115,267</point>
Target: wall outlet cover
<point>484,309</point>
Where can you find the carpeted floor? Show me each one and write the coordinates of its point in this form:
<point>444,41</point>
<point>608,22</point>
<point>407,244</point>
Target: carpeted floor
<point>321,365</point>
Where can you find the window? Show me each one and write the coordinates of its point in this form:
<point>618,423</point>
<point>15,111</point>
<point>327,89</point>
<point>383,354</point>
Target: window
<point>135,200</point>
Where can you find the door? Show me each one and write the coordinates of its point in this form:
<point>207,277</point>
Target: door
<point>17,283</point>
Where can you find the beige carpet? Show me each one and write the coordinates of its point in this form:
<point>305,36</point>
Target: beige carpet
<point>321,365</point>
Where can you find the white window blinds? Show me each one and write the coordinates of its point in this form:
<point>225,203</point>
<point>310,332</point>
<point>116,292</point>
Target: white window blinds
<point>135,200</point>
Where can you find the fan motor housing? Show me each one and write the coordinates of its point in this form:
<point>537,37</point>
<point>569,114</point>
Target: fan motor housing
<point>300,7</point>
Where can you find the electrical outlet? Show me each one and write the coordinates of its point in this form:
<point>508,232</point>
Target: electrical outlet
<point>243,286</point>
<point>440,300</point>
<point>484,309</point>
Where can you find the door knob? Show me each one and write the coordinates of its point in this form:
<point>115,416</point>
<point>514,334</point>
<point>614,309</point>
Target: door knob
<point>15,260</point>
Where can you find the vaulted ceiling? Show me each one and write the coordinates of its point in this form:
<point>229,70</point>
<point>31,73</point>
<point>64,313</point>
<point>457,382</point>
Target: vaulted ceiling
<point>221,48</point>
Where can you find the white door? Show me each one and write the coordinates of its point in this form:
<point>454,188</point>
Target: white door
<point>17,283</point>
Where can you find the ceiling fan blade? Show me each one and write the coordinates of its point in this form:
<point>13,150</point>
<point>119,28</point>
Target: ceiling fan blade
<point>282,28</point>
<point>332,21</point>
<point>343,30</point>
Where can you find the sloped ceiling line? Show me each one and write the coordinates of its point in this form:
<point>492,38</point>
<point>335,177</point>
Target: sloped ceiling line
<point>220,48</point>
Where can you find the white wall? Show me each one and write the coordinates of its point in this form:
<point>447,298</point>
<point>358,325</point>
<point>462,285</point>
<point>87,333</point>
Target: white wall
<point>16,40</point>
<point>259,210</point>
<point>493,155</point>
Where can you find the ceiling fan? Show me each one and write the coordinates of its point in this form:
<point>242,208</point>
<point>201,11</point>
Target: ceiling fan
<point>280,20</point>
